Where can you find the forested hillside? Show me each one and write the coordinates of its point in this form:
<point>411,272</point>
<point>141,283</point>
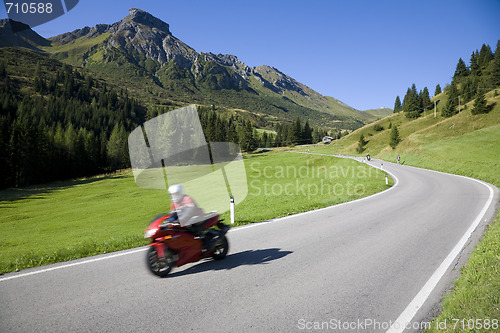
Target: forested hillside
<point>60,122</point>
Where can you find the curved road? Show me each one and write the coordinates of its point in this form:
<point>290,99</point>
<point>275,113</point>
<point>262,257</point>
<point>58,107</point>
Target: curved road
<point>358,266</point>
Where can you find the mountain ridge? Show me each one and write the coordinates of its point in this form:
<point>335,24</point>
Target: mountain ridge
<point>18,34</point>
<point>141,51</point>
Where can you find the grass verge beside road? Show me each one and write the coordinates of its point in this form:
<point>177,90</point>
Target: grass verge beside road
<point>474,303</point>
<point>62,221</point>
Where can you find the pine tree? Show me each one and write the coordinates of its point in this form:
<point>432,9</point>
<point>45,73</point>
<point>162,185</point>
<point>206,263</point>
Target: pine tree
<point>438,90</point>
<point>116,147</point>
<point>232,135</point>
<point>426,100</point>
<point>475,69</point>
<point>361,144</point>
<point>485,56</point>
<point>412,103</point>
<point>450,108</point>
<point>290,137</point>
<point>397,105</point>
<point>38,80</point>
<point>221,130</point>
<point>480,105</point>
<point>406,99</point>
<point>69,147</point>
<point>264,140</point>
<point>469,88</point>
<point>307,133</point>
<point>80,154</point>
<point>295,132</point>
<point>495,68</point>
<point>19,152</point>
<point>461,69</point>
<point>316,136</point>
<point>453,94</point>
<point>394,137</point>
<point>247,139</point>
<point>278,140</point>
<point>5,161</point>
<point>3,70</point>
<point>92,151</point>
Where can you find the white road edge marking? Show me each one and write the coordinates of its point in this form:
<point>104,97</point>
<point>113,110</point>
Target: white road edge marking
<point>15,276</point>
<point>404,319</point>
<point>72,264</point>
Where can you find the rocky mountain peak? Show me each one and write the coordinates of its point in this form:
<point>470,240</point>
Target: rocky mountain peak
<point>142,17</point>
<point>277,81</point>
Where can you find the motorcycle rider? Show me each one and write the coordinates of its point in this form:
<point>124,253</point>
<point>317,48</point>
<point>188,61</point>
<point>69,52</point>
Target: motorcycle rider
<point>187,211</point>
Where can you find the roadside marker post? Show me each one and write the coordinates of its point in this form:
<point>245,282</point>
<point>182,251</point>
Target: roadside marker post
<point>386,180</point>
<point>231,206</point>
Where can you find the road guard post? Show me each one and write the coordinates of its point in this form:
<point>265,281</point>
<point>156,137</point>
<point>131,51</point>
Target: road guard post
<point>231,208</point>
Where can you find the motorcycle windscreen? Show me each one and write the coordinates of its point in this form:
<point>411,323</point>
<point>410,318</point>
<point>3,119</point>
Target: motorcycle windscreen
<point>171,149</point>
<point>228,159</point>
<point>211,191</point>
<point>174,140</point>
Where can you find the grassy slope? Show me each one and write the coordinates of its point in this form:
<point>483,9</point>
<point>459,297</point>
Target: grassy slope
<point>312,99</point>
<point>72,52</point>
<point>463,144</point>
<point>325,104</point>
<point>379,113</point>
<point>62,221</point>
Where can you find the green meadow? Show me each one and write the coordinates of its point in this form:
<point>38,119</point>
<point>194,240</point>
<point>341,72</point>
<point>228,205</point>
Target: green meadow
<point>284,183</point>
<point>68,220</point>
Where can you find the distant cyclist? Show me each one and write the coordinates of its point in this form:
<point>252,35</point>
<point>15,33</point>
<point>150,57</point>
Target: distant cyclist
<point>399,159</point>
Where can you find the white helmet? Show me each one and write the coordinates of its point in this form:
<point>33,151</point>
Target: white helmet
<point>176,192</point>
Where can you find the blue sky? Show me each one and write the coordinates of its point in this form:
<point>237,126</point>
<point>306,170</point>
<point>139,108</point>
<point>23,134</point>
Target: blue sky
<point>363,53</point>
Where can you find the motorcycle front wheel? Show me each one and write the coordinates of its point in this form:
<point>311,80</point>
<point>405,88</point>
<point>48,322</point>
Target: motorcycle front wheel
<point>221,248</point>
<point>160,266</point>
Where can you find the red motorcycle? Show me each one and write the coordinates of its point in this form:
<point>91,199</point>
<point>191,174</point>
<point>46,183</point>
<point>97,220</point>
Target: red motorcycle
<point>173,246</point>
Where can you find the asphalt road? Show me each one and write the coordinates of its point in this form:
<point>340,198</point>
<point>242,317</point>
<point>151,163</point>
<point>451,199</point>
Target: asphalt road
<point>351,267</point>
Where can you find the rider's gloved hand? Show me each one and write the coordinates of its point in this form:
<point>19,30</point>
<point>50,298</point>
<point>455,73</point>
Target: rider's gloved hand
<point>173,217</point>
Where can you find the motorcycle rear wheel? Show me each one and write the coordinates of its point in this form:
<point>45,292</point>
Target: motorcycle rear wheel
<point>160,266</point>
<point>221,248</point>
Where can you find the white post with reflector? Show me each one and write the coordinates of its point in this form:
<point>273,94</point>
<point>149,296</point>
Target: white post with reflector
<point>231,206</point>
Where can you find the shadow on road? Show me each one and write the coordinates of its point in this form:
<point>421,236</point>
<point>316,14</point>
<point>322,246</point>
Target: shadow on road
<point>245,258</point>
